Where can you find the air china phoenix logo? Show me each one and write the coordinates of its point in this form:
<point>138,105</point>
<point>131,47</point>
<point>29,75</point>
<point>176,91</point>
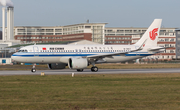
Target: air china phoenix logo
<point>153,34</point>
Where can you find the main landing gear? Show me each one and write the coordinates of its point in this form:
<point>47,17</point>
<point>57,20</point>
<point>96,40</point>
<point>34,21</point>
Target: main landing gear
<point>33,70</point>
<point>94,69</point>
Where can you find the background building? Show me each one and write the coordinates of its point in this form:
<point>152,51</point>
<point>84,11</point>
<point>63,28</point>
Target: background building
<point>96,32</point>
<point>88,31</point>
<point>178,44</point>
<point>167,38</point>
<point>0,35</point>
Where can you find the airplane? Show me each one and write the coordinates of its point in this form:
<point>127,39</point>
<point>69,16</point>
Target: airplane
<point>78,57</point>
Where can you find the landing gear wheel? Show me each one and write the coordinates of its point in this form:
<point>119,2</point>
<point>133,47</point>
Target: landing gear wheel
<point>94,69</point>
<point>33,70</point>
<point>80,70</point>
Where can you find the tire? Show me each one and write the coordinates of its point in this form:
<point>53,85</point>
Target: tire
<point>33,70</point>
<point>94,69</point>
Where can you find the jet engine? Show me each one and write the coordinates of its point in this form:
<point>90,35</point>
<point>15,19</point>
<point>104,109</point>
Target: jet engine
<point>77,63</point>
<point>57,65</point>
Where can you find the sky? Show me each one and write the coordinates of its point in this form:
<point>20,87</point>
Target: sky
<point>117,13</point>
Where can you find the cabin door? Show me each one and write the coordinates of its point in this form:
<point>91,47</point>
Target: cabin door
<point>36,51</point>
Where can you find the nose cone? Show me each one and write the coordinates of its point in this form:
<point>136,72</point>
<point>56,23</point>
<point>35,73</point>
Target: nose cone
<point>14,57</point>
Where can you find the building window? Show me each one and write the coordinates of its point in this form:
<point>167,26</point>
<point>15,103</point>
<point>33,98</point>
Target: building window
<point>87,26</point>
<point>40,30</point>
<point>172,40</point>
<point>49,33</point>
<point>58,30</point>
<point>128,31</point>
<point>137,31</point>
<point>21,33</point>
<point>109,30</point>
<point>143,31</point>
<point>120,31</point>
<point>171,51</point>
<point>49,30</point>
<point>161,40</point>
<point>21,30</point>
<point>166,40</point>
<point>58,34</point>
<point>166,45</point>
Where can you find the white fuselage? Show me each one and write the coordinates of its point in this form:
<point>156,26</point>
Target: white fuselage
<point>61,53</point>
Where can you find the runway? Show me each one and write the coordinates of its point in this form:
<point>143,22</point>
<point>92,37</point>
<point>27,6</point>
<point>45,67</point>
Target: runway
<point>87,71</point>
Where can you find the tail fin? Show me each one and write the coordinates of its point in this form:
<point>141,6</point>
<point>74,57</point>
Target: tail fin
<point>151,35</point>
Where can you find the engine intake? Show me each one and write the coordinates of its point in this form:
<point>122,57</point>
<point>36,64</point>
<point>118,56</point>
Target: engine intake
<point>77,63</point>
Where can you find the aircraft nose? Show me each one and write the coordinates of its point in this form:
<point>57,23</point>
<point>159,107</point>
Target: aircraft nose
<point>13,57</point>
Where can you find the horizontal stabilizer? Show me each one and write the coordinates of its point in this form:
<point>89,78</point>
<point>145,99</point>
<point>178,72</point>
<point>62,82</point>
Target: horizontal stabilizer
<point>158,48</point>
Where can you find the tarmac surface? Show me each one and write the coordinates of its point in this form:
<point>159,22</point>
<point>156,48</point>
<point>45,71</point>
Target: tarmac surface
<point>88,71</point>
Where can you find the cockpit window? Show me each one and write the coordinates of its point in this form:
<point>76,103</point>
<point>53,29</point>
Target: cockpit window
<point>22,51</point>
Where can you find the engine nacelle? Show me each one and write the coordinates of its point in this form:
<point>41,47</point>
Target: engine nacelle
<point>77,63</point>
<point>57,65</point>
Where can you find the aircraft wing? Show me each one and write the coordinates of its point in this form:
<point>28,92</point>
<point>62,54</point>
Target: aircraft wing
<point>113,54</point>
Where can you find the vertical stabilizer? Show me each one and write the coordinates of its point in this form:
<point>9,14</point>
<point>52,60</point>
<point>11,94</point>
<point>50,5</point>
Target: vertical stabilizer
<point>151,35</point>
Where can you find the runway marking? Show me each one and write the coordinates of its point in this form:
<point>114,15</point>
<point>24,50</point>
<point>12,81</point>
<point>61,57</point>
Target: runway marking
<point>87,71</point>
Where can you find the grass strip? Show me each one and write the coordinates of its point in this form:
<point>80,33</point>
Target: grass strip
<point>99,92</point>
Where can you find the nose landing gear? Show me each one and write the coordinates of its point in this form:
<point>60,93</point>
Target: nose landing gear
<point>33,70</point>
